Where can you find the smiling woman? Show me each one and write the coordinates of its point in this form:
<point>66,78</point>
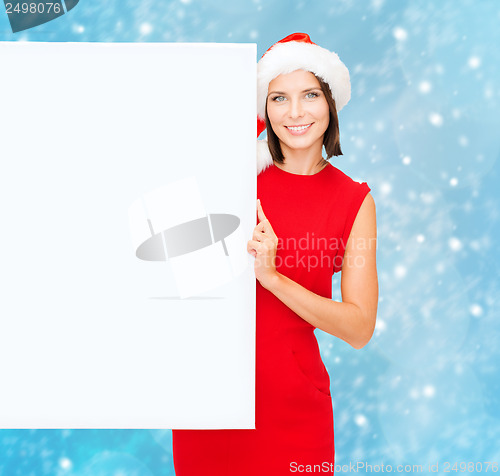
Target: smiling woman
<point>313,221</point>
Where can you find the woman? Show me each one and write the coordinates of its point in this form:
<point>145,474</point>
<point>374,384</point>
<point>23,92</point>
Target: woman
<point>313,221</point>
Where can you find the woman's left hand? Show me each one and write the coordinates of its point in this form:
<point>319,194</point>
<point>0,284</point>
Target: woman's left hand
<point>263,248</point>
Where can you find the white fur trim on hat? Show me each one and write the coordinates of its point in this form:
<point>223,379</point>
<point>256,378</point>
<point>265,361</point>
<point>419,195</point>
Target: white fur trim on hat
<point>284,58</point>
<point>264,158</point>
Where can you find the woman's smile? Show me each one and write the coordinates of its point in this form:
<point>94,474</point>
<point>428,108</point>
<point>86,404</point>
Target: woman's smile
<point>299,130</point>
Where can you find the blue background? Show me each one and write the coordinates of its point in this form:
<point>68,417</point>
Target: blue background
<point>422,129</point>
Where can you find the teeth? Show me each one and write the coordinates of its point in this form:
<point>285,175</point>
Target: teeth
<point>300,128</point>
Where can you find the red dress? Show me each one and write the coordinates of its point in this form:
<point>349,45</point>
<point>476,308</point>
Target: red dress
<point>312,216</point>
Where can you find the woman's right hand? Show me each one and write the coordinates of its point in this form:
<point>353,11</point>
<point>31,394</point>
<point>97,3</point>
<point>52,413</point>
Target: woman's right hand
<point>263,248</point>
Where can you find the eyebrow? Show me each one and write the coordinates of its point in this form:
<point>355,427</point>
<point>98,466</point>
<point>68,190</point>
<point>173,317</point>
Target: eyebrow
<point>305,91</point>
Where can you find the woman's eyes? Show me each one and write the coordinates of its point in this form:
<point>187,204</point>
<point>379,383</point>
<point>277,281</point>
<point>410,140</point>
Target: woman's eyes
<point>282,98</point>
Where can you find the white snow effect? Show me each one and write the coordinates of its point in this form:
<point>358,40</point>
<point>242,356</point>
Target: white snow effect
<point>380,325</point>
<point>376,5</point>
<point>429,391</point>
<point>455,244</point>
<point>476,310</point>
<point>79,29</point>
<point>65,463</point>
<point>436,119</point>
<point>400,34</point>
<point>474,62</point>
<point>400,271</point>
<point>146,28</point>
<point>361,420</point>
<point>385,188</point>
<point>425,87</point>
<point>427,198</point>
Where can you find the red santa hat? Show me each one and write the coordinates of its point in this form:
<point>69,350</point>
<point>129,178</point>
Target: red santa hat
<point>294,52</point>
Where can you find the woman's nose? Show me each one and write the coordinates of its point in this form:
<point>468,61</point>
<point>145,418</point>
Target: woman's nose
<point>296,109</point>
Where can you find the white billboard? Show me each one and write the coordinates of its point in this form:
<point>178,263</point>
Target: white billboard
<point>127,191</point>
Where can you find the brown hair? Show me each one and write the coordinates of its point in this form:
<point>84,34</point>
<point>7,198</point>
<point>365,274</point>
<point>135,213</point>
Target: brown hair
<point>331,139</point>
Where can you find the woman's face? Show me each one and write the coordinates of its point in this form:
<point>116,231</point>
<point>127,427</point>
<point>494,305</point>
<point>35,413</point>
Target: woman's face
<point>297,110</point>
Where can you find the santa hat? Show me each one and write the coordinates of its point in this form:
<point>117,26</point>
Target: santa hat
<point>297,51</point>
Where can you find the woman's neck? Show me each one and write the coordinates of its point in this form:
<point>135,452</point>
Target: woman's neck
<point>301,162</point>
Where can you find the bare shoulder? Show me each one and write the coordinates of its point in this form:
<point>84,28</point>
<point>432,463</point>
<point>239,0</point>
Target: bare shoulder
<point>368,202</point>
<point>366,217</point>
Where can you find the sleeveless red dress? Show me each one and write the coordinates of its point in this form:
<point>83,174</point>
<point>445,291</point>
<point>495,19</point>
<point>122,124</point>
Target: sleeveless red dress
<point>312,216</point>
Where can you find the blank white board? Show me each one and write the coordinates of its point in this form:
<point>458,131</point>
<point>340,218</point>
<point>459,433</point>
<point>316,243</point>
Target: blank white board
<point>103,147</point>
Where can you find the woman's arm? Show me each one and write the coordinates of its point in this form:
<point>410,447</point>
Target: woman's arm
<point>353,319</point>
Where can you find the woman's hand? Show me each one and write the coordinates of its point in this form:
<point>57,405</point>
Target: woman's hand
<point>263,247</point>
